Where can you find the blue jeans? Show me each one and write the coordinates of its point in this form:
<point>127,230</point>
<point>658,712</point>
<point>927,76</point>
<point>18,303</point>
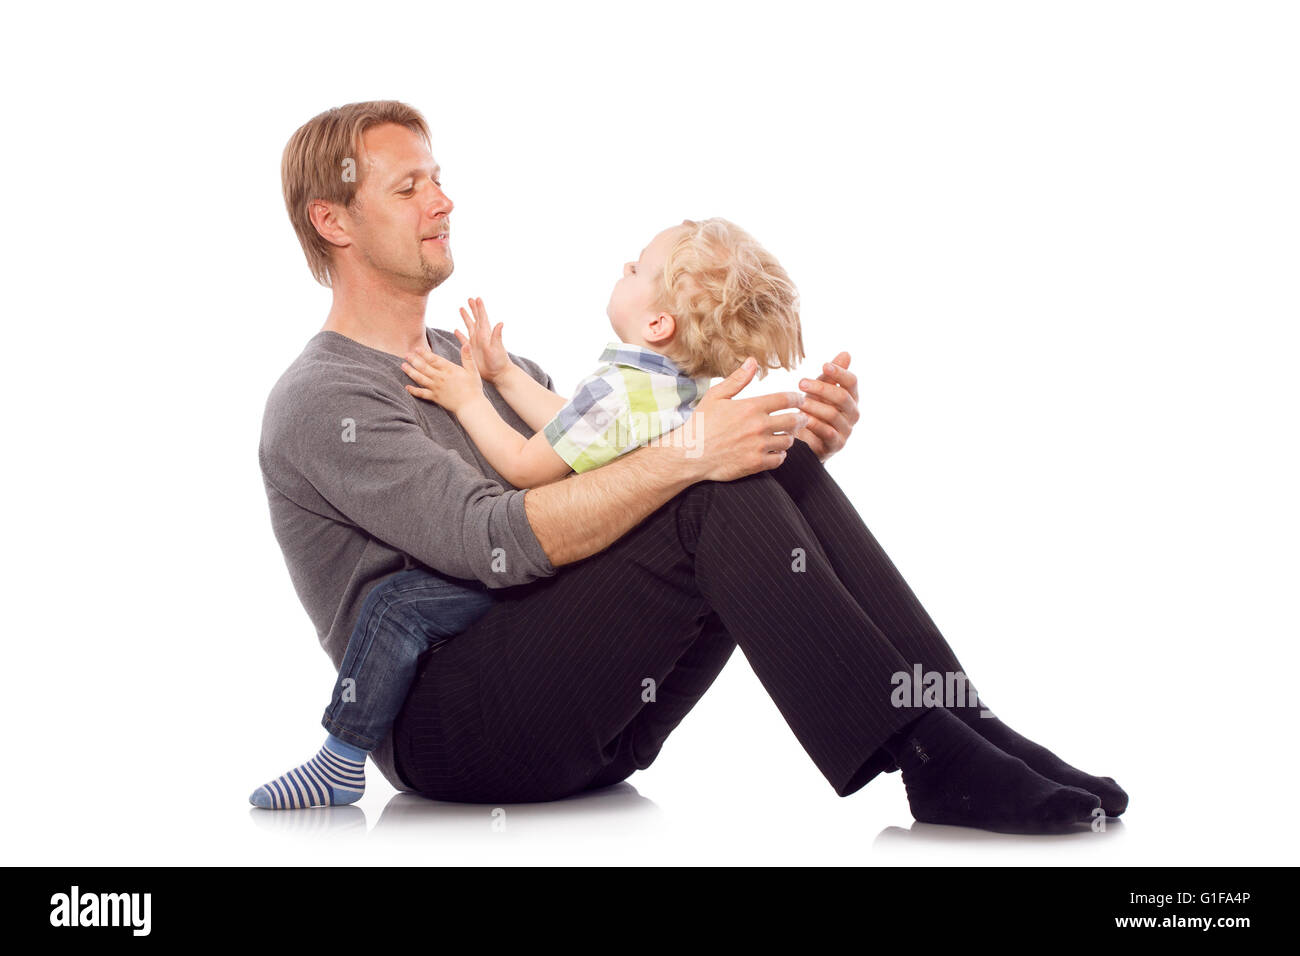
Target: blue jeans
<point>401,618</point>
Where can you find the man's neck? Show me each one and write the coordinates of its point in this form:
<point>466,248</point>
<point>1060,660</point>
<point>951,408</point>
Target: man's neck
<point>389,320</point>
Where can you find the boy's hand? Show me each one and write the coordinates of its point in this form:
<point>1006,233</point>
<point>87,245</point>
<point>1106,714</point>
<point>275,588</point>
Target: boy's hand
<point>489,354</point>
<point>450,385</point>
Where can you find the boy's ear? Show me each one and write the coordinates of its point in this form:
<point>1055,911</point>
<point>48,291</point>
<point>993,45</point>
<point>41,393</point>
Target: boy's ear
<point>661,328</point>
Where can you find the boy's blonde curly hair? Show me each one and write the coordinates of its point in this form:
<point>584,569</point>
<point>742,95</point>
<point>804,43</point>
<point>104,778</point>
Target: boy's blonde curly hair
<point>730,299</point>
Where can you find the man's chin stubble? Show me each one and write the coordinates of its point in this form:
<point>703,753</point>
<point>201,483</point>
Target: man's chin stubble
<point>436,275</point>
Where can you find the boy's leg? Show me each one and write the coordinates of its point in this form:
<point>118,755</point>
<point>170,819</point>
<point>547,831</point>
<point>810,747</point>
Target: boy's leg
<point>530,703</point>
<point>880,590</point>
<point>402,617</point>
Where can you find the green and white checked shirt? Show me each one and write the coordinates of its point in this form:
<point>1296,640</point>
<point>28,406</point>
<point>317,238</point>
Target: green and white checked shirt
<point>635,395</point>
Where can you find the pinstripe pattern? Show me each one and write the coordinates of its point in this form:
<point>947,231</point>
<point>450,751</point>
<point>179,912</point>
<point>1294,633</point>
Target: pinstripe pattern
<point>862,564</point>
<point>325,780</point>
<point>535,701</point>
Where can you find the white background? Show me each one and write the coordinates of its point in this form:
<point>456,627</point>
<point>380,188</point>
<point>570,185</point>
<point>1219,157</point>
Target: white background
<point>1059,241</point>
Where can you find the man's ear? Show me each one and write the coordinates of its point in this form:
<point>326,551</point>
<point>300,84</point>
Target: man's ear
<point>332,226</point>
<point>660,329</point>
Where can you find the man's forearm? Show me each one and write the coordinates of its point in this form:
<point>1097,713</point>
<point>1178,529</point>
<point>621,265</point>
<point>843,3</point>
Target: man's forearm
<point>584,514</point>
<point>533,402</point>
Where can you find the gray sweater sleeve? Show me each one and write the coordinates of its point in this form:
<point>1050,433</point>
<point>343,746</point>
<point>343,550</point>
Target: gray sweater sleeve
<point>349,451</point>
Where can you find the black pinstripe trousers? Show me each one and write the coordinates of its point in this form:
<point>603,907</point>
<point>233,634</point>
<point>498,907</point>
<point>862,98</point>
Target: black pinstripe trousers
<point>575,681</point>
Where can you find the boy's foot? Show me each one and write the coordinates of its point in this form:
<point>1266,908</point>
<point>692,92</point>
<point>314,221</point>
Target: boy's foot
<point>1113,799</point>
<point>954,776</point>
<point>334,777</point>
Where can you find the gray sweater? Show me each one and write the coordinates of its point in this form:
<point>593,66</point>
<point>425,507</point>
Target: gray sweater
<point>364,480</point>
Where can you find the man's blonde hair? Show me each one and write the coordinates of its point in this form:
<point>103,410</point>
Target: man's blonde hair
<point>322,160</point>
<point>730,299</point>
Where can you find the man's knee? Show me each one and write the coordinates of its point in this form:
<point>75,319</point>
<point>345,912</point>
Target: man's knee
<point>757,494</point>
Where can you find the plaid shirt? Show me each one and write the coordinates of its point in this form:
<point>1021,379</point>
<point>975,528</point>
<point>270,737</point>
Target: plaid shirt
<point>635,395</point>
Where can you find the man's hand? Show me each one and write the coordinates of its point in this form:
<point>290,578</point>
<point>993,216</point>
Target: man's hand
<point>449,385</point>
<point>727,437</point>
<point>489,353</point>
<point>832,407</point>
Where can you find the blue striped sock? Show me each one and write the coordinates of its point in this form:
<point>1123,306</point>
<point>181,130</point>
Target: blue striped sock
<point>334,777</point>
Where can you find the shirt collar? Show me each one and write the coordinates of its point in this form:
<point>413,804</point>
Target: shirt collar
<point>638,356</point>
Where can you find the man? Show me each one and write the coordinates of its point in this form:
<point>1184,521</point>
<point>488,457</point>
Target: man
<point>624,589</point>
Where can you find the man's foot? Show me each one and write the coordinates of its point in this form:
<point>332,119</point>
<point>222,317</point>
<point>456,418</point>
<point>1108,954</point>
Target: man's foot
<point>334,777</point>
<point>954,776</point>
<point>1113,799</point>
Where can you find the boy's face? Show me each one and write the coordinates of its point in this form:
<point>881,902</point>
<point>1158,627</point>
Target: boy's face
<point>631,308</point>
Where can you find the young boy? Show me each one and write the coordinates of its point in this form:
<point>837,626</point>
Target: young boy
<point>700,299</point>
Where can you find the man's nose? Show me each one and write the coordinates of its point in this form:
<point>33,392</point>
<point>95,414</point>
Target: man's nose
<point>440,203</point>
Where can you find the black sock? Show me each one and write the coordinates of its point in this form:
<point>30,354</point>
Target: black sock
<point>954,776</point>
<point>1113,799</point>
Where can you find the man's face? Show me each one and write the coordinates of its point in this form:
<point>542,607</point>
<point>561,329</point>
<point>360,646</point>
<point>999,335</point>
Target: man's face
<point>399,225</point>
<point>632,302</point>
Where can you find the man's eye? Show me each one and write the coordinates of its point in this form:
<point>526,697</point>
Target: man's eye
<point>407,190</point>
<point>634,270</point>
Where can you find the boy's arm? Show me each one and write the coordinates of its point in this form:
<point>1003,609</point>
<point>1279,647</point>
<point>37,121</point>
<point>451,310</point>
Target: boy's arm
<point>532,401</point>
<point>524,462</point>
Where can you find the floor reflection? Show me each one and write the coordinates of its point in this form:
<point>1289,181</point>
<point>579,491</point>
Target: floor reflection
<point>611,814</point>
<point>619,808</point>
<point>343,822</point>
<point>932,834</point>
